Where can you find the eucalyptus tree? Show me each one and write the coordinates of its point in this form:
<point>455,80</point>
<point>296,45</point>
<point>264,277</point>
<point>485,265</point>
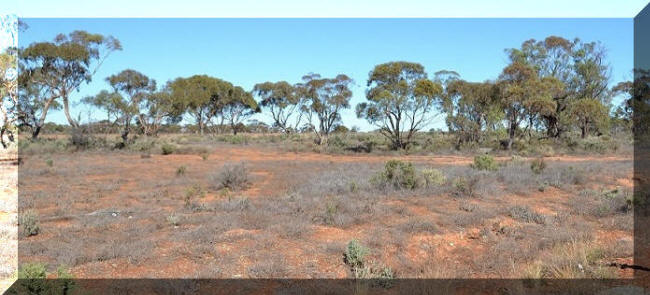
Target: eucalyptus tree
<point>58,68</point>
<point>472,108</point>
<point>589,114</point>
<point>8,95</point>
<point>400,100</point>
<point>580,67</point>
<point>324,99</point>
<point>519,84</point>
<point>200,95</point>
<point>283,102</point>
<point>34,102</point>
<point>237,105</point>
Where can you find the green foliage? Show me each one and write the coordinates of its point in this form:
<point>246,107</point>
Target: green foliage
<point>167,149</point>
<point>399,90</point>
<point>465,186</point>
<point>485,162</point>
<point>538,165</point>
<point>29,223</point>
<point>398,174</point>
<point>49,162</point>
<point>33,279</point>
<point>433,177</point>
<point>355,254</point>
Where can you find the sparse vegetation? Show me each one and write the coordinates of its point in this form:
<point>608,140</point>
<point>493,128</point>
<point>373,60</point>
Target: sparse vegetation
<point>475,199</point>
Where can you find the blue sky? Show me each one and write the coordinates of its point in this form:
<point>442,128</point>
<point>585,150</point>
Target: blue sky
<point>249,51</point>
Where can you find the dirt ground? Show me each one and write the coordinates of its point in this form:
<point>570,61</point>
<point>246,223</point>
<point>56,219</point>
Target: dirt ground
<point>122,215</point>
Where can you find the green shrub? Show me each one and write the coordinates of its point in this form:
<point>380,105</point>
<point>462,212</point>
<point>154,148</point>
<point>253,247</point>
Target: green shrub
<point>29,224</point>
<point>399,174</point>
<point>433,177</point>
<point>465,187</point>
<point>355,254</point>
<point>32,279</point>
<point>167,149</point>
<point>485,162</point>
<point>49,162</point>
<point>538,165</point>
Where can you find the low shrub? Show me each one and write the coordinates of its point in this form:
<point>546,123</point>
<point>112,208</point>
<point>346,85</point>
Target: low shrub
<point>433,177</point>
<point>173,219</point>
<point>29,223</point>
<point>234,177</point>
<point>524,213</point>
<point>465,186</point>
<point>33,279</point>
<point>167,149</point>
<point>180,171</point>
<point>355,254</point>
<point>538,165</point>
<point>485,162</point>
<point>398,174</point>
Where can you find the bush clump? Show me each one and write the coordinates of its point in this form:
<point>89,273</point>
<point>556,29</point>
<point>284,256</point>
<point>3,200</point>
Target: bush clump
<point>524,213</point>
<point>29,224</point>
<point>485,162</point>
<point>355,254</point>
<point>233,177</point>
<point>400,175</point>
<point>32,279</point>
<point>538,165</point>
<point>465,186</point>
<point>167,149</point>
<point>433,177</point>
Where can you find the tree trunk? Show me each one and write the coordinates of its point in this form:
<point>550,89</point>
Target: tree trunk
<point>66,111</point>
<point>36,131</point>
<point>511,135</point>
<point>322,140</point>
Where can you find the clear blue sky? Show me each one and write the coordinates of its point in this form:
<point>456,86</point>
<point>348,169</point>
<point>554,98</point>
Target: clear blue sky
<point>249,51</point>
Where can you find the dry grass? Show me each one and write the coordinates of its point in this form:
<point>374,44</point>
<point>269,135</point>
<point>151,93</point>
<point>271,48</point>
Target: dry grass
<point>278,216</point>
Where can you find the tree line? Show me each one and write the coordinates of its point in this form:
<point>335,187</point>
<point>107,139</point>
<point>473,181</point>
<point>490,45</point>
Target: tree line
<point>549,87</point>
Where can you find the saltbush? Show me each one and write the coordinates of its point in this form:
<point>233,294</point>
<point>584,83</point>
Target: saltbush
<point>234,177</point>
<point>433,177</point>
